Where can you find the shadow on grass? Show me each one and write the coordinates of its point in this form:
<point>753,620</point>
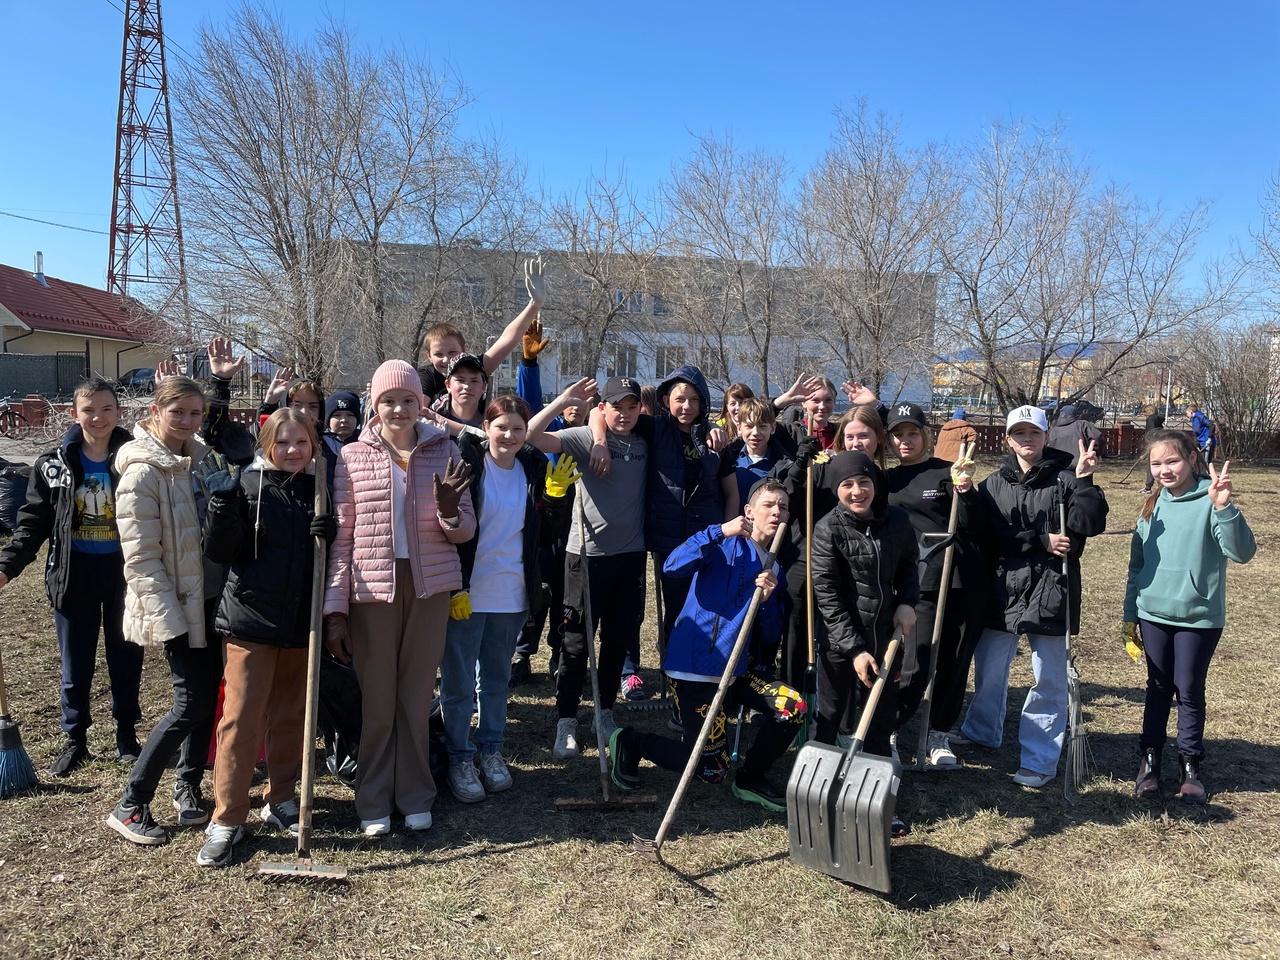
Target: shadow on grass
<point>925,877</point>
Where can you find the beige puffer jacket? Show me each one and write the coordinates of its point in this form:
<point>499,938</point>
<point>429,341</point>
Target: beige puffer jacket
<point>159,525</point>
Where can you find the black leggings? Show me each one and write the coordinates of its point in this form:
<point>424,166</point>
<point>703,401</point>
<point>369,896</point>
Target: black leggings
<point>841,696</point>
<point>1177,662</point>
<point>617,586</point>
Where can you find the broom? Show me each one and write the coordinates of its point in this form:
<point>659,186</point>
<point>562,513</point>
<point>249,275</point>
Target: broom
<point>17,775</point>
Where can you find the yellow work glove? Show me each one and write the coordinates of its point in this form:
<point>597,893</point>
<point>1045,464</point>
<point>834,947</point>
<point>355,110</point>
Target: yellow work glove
<point>460,606</point>
<point>1132,640</point>
<point>561,476</point>
<point>962,469</point>
<point>533,342</point>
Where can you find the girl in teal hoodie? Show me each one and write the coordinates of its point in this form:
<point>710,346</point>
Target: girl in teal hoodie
<point>1176,599</point>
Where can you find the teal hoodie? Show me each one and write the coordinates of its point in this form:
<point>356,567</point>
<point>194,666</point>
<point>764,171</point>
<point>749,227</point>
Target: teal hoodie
<point>1178,560</point>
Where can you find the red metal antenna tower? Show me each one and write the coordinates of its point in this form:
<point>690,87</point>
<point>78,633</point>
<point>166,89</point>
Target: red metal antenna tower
<point>146,227</point>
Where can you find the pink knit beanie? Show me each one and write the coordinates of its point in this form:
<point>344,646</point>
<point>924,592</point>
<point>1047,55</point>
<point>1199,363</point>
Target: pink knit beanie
<point>397,375</point>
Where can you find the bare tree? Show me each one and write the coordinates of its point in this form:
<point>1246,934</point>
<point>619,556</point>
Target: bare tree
<point>605,248</point>
<point>1233,371</point>
<point>729,217</point>
<point>302,162</point>
<point>873,210</point>
<point>1044,271</point>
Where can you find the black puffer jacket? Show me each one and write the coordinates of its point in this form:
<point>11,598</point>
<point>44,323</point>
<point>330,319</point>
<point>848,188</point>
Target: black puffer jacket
<point>862,571</point>
<point>49,513</point>
<point>1021,510</point>
<point>264,533</point>
<point>542,514</point>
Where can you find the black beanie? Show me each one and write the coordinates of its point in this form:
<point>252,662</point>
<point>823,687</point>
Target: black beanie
<point>850,463</point>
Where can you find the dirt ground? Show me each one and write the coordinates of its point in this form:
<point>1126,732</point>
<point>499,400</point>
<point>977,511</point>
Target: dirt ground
<point>990,869</point>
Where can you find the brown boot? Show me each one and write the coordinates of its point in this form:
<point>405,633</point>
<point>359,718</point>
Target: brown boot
<point>1191,790</point>
<point>1147,783</point>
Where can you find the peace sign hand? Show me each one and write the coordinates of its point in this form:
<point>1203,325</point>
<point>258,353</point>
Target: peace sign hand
<point>1088,462</point>
<point>1220,486</point>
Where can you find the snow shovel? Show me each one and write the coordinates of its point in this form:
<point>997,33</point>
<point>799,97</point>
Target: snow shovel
<point>840,803</point>
<point>609,799</point>
<point>304,868</point>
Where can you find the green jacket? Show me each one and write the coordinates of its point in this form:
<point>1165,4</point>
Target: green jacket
<point>1178,560</point>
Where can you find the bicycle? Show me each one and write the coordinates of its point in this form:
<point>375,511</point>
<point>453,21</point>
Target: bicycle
<point>13,423</point>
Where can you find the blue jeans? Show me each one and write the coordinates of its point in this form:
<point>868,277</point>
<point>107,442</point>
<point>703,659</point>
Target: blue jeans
<point>1043,727</point>
<point>489,641</point>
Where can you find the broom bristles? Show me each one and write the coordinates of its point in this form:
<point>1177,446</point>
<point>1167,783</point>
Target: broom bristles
<point>17,775</point>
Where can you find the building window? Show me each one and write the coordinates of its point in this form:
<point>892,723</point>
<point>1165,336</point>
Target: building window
<point>667,360</point>
<point>711,362</point>
<point>470,291</point>
<point>660,308</point>
<point>628,302</point>
<point>573,360</point>
<point>621,361</point>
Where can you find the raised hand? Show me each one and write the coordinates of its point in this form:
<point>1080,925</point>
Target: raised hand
<point>737,527</point>
<point>962,469</point>
<point>279,386</point>
<point>449,489</point>
<point>580,393</point>
<point>561,476</point>
<point>166,369</point>
<point>534,281</point>
<point>1220,486</point>
<point>858,394</point>
<point>1088,461</point>
<point>533,341</point>
<point>799,391</point>
<point>222,360</point>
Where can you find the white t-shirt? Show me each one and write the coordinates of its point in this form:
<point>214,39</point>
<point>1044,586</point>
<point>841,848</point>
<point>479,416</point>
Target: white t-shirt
<point>497,579</point>
<point>399,531</point>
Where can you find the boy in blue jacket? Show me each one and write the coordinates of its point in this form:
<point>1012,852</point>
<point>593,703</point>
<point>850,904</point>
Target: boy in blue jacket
<point>726,563</point>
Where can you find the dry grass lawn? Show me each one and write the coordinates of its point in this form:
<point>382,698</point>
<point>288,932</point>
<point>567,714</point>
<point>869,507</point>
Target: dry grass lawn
<point>991,869</point>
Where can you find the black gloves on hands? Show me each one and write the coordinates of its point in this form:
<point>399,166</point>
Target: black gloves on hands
<point>224,483</point>
<point>324,525</point>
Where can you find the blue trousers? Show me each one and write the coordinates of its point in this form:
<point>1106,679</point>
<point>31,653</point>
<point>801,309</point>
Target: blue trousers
<point>95,601</point>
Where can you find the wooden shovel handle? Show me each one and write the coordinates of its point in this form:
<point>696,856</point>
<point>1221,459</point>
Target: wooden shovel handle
<point>873,699</point>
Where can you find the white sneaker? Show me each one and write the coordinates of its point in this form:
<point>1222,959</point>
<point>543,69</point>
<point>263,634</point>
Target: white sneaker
<point>606,722</point>
<point>497,777</point>
<point>418,821</point>
<point>465,783</point>
<point>939,752</point>
<point>1027,778</point>
<point>566,739</point>
<point>893,747</point>
<point>376,828</point>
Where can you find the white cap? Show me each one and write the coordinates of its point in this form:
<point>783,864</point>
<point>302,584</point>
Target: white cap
<point>1027,414</point>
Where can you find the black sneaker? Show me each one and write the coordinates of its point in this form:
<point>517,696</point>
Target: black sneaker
<point>899,827</point>
<point>72,755</point>
<point>623,767</point>
<point>127,748</point>
<point>189,804</point>
<point>282,816</point>
<point>761,792</point>
<point>136,825</point>
<point>219,845</point>
<point>521,672</point>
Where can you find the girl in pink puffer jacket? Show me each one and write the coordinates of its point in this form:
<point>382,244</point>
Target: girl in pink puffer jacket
<point>400,495</point>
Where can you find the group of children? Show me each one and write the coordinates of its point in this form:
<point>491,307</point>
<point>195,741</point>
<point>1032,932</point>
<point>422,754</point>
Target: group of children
<point>458,528</point>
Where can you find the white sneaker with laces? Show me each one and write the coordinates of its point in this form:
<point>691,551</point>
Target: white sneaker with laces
<point>1028,778</point>
<point>566,739</point>
<point>939,752</point>
<point>497,776</point>
<point>606,721</point>
<point>465,783</point>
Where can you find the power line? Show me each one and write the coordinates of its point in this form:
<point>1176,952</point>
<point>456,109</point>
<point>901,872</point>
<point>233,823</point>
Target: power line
<point>50,223</point>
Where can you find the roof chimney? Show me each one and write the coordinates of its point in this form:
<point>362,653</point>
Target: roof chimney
<point>40,269</point>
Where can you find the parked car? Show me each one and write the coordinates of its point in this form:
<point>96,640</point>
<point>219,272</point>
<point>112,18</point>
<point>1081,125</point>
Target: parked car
<point>1084,409</point>
<point>139,380</point>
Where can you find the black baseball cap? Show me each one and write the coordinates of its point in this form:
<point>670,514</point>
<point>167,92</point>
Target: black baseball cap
<point>616,388</point>
<point>906,413</point>
<point>468,360</point>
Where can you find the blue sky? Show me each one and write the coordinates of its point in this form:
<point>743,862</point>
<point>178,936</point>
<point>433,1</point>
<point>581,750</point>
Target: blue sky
<point>1179,100</point>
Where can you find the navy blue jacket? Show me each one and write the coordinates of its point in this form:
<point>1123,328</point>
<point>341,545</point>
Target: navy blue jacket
<point>724,572</point>
<point>673,513</point>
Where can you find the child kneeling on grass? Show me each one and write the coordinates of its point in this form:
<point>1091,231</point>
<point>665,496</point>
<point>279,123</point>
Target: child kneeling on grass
<point>726,563</point>
<point>865,585</point>
<point>264,524</point>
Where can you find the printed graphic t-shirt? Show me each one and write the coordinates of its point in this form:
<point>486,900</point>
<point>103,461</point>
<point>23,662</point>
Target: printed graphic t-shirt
<point>94,528</point>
